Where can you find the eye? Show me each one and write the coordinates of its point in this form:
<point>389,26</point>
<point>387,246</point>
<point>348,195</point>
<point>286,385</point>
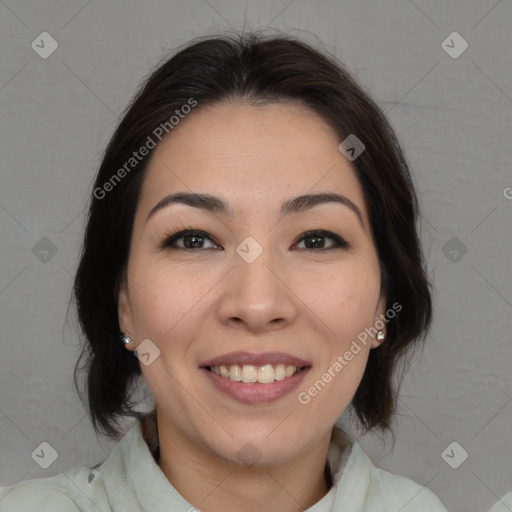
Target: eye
<point>187,240</point>
<point>316,240</point>
<point>192,239</point>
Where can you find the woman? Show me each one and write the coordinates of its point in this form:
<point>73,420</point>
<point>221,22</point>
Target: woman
<point>252,240</point>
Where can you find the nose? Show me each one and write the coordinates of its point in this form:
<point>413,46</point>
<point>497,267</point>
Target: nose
<point>258,296</point>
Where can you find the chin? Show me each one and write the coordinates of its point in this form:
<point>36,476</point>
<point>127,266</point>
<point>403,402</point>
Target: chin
<point>263,446</point>
<point>249,453</point>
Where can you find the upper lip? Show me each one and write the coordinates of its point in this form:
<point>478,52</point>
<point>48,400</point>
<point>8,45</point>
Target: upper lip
<point>256,359</point>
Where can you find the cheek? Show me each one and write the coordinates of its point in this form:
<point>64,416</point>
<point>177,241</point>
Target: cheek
<point>162,298</point>
<point>345,299</point>
<point>346,302</point>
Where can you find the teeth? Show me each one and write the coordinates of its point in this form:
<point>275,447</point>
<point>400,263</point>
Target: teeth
<point>290,370</point>
<point>266,374</point>
<point>280,372</point>
<point>235,373</point>
<point>248,373</point>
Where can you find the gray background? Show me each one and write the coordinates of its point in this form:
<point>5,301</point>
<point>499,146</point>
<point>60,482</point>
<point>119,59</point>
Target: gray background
<point>452,116</point>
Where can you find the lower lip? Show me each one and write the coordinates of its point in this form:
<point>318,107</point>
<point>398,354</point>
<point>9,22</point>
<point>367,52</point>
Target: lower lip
<point>255,392</point>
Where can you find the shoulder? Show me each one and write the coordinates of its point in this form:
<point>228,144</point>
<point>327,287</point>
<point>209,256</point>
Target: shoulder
<point>66,492</point>
<point>84,489</point>
<point>401,493</point>
<point>372,488</point>
<point>41,494</point>
<point>390,491</point>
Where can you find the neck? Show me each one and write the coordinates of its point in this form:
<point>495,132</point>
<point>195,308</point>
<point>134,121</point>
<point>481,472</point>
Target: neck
<point>214,484</point>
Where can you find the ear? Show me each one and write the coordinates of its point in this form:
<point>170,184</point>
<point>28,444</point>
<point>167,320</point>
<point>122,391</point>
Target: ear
<point>379,322</point>
<point>124,311</point>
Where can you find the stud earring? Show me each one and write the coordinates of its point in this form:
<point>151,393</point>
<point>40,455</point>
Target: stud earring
<point>126,339</point>
<point>380,336</point>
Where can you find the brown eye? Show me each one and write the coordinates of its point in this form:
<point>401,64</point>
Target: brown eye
<point>195,240</point>
<point>316,240</point>
<point>187,240</point>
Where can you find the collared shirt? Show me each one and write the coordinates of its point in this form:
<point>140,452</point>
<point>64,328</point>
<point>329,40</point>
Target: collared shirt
<point>130,480</point>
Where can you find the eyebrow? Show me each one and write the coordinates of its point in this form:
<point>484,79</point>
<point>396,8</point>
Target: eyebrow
<point>216,205</point>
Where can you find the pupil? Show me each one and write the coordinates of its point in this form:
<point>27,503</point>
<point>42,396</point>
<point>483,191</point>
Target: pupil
<point>317,241</point>
<point>196,239</point>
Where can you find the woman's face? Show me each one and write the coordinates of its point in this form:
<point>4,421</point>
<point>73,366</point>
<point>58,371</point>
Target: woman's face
<point>253,289</point>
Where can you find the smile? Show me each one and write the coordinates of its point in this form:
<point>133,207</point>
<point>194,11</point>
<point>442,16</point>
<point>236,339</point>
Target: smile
<point>253,378</point>
<point>256,392</point>
<point>264,374</point>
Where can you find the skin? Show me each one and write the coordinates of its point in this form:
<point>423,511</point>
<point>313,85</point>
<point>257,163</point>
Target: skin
<point>196,304</point>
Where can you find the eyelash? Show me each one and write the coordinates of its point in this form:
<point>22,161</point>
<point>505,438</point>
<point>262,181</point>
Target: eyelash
<point>168,241</point>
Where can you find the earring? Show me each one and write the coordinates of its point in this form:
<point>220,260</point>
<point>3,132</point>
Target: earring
<point>126,339</point>
<point>380,336</point>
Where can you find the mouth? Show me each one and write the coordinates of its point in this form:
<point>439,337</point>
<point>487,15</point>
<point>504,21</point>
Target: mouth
<point>255,378</point>
<point>264,374</point>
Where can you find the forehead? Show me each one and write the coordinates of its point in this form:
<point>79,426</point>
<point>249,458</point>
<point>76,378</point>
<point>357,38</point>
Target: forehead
<point>250,156</point>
